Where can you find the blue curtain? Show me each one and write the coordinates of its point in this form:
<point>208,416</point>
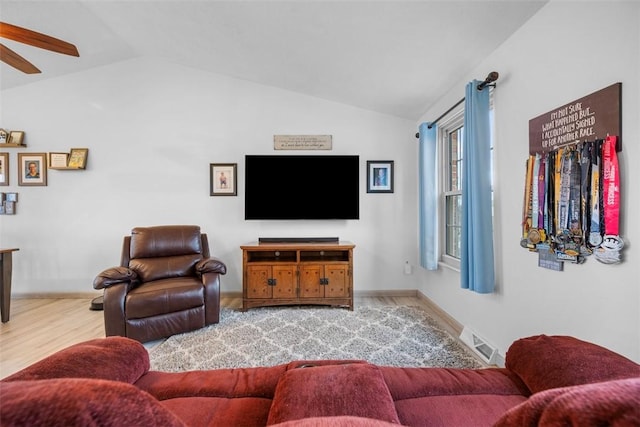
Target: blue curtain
<point>428,191</point>
<point>476,261</point>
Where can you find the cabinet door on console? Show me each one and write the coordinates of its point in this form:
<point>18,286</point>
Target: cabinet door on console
<point>324,281</point>
<point>285,281</point>
<point>338,281</point>
<point>258,277</point>
<point>310,287</point>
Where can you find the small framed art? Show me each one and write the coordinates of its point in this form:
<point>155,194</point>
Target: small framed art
<point>78,158</point>
<point>4,168</point>
<point>379,176</point>
<point>58,160</point>
<point>223,178</point>
<point>16,137</point>
<point>32,169</point>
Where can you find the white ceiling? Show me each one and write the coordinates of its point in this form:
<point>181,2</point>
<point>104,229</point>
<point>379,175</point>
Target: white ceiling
<point>396,57</point>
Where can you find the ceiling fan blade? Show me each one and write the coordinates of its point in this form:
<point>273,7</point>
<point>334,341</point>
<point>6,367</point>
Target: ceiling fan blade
<point>36,39</point>
<point>16,61</point>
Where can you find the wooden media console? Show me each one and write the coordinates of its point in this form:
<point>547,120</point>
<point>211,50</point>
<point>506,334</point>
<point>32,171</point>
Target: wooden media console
<point>297,273</point>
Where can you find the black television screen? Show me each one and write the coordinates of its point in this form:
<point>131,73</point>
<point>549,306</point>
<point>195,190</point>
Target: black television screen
<point>302,187</point>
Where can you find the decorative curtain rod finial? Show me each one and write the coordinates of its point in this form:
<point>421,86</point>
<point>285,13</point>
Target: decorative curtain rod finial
<point>492,77</point>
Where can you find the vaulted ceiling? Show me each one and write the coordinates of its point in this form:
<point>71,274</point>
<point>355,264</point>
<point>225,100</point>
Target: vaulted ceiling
<point>396,57</point>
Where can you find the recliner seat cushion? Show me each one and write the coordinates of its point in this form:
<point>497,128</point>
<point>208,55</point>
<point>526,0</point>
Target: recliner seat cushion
<point>164,296</point>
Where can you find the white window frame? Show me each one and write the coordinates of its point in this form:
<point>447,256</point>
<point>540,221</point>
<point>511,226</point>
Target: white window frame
<point>453,121</point>
<point>450,123</point>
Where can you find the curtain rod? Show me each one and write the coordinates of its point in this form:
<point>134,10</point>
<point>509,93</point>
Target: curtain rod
<point>492,77</point>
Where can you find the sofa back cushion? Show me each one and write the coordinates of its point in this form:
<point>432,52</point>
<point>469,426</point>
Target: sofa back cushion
<point>544,362</point>
<point>332,390</point>
<point>80,402</point>
<point>165,251</point>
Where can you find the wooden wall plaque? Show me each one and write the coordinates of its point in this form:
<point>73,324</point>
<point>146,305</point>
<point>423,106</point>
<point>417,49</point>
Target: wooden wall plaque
<point>302,142</point>
<point>586,119</point>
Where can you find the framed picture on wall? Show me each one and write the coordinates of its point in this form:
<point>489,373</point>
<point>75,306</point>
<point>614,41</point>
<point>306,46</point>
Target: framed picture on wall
<point>32,169</point>
<point>4,168</point>
<point>78,158</point>
<point>379,176</point>
<point>16,137</point>
<point>222,179</point>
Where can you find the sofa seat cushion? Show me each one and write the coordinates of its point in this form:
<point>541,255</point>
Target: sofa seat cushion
<point>341,421</point>
<point>164,296</point>
<point>453,397</point>
<point>80,402</point>
<point>332,390</point>
<point>110,358</point>
<point>229,383</point>
<point>220,411</point>
<point>475,410</point>
<point>544,362</point>
<point>409,383</point>
<point>609,403</point>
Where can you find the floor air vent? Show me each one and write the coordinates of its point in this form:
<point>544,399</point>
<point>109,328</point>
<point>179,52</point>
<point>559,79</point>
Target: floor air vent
<point>486,351</point>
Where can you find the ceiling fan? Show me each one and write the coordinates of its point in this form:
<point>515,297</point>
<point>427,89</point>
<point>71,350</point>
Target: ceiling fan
<point>33,38</point>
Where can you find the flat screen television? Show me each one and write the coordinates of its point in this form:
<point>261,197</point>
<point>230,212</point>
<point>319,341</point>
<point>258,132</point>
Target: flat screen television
<point>301,187</point>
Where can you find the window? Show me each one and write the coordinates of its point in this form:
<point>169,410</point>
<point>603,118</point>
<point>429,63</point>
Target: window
<point>450,137</point>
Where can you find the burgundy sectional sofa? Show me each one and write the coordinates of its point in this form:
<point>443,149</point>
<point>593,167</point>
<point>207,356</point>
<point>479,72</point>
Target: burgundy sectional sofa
<point>548,380</point>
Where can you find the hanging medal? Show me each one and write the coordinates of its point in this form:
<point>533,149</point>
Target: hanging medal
<point>526,203</point>
<point>612,243</point>
<point>595,238</point>
<point>585,180</point>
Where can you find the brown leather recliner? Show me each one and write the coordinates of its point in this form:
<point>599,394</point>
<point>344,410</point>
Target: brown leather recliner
<point>167,283</point>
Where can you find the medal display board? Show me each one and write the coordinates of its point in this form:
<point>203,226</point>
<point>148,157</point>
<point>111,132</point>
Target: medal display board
<point>571,203</point>
<point>589,118</point>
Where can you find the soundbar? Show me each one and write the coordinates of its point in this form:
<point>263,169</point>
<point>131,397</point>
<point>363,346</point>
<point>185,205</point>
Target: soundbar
<point>298,239</point>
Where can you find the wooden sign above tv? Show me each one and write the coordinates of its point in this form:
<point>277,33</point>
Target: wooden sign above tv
<point>586,119</point>
<point>302,142</point>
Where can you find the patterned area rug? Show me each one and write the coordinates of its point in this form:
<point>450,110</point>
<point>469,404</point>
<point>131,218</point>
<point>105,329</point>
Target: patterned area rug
<point>383,335</point>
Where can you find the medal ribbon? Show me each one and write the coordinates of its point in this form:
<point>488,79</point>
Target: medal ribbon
<point>550,201</point>
<point>574,194</point>
<point>611,186</point>
<point>595,188</point>
<point>565,191</point>
<point>585,166</point>
<point>540,195</point>
<point>526,205</point>
<point>535,207</point>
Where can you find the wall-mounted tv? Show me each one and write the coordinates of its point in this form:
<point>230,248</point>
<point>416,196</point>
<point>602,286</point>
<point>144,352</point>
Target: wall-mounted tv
<point>302,187</point>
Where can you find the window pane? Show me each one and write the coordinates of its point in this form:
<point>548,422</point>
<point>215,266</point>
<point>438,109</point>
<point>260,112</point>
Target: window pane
<point>453,226</point>
<point>455,160</point>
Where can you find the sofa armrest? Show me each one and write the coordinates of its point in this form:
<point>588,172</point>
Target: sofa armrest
<point>110,358</point>
<point>113,276</point>
<point>544,362</point>
<point>211,265</point>
<point>609,403</point>
<point>81,402</point>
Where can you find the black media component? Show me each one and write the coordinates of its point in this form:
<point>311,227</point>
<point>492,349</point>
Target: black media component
<point>311,187</point>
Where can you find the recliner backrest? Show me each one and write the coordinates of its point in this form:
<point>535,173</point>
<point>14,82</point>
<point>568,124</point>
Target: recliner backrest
<point>165,251</point>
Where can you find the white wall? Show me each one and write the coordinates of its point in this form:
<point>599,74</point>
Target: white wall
<point>568,50</point>
<point>152,128</point>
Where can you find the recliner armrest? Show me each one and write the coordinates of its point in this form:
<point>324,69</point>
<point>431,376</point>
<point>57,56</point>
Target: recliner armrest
<point>113,276</point>
<point>211,265</point>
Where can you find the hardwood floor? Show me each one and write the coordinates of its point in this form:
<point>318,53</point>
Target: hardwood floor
<point>41,326</point>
